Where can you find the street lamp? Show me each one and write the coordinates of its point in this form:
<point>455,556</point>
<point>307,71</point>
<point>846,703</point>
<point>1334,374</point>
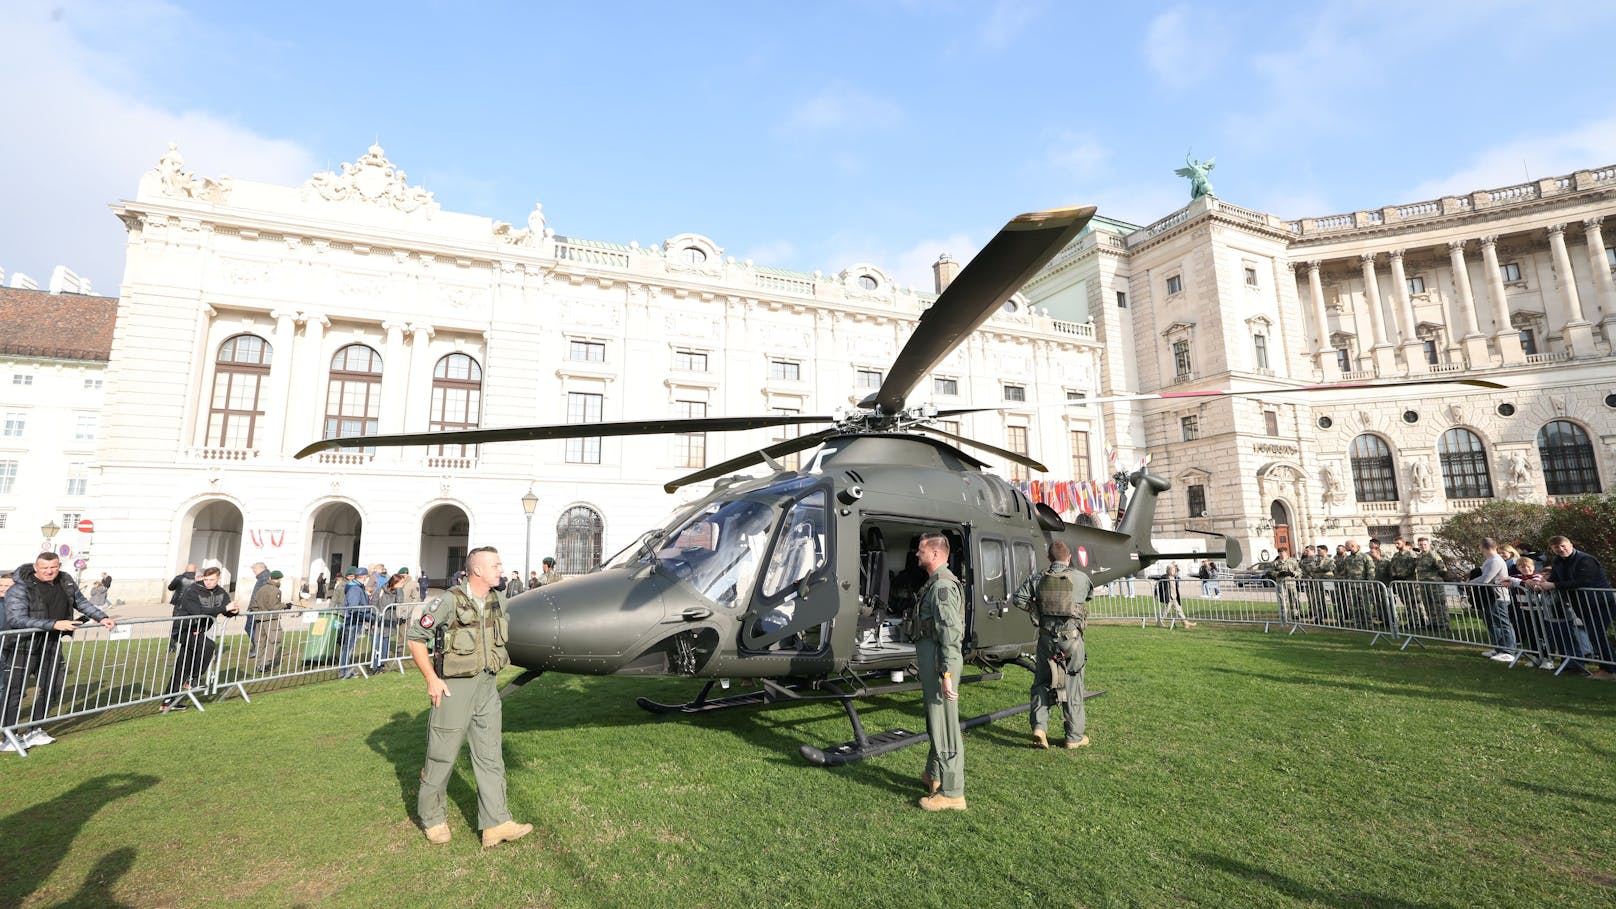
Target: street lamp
<point>50,530</point>
<point>529,502</point>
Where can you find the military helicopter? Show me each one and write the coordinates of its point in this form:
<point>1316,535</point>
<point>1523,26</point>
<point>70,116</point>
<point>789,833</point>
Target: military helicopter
<point>800,579</point>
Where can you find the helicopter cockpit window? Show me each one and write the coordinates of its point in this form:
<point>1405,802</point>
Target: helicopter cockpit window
<point>718,550</point>
<point>801,549</point>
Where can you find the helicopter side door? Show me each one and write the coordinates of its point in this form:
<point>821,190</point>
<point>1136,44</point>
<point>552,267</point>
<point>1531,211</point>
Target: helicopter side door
<point>795,598</point>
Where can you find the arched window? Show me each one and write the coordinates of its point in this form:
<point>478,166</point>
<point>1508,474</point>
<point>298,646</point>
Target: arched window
<point>1568,459</point>
<point>354,398</point>
<point>1374,477</point>
<point>457,400</point>
<point>240,375</point>
<point>1464,465</point>
<point>578,539</point>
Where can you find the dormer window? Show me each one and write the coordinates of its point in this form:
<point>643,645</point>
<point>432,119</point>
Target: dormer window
<point>693,255</point>
<point>867,282</point>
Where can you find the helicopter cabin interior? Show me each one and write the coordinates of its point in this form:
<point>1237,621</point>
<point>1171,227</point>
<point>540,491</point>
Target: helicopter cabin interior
<point>890,579</point>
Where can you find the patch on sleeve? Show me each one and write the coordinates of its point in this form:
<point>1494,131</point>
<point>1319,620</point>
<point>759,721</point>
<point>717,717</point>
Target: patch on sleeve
<point>426,620</point>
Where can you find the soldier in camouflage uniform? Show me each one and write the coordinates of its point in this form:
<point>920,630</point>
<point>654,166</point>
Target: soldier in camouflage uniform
<point>939,629</point>
<point>1328,603</point>
<point>1283,572</point>
<point>1399,571</point>
<point>1357,569</point>
<point>1308,584</point>
<point>458,643</point>
<point>1382,594</point>
<point>1056,599</point>
<point>1429,567</point>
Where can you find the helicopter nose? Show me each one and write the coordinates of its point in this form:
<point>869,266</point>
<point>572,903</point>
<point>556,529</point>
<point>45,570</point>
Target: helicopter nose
<point>592,624</point>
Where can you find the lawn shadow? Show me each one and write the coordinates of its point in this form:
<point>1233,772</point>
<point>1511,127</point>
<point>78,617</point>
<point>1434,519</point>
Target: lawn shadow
<point>39,836</point>
<point>96,893</point>
<point>1581,797</point>
<point>1307,893</point>
<point>402,742</point>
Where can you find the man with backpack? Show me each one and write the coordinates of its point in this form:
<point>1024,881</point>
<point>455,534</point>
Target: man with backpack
<point>1057,598</point>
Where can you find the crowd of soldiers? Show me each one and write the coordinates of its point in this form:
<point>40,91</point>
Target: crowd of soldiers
<point>1307,591</point>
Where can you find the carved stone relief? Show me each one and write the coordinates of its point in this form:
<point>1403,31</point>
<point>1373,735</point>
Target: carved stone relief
<point>180,183</point>
<point>371,180</point>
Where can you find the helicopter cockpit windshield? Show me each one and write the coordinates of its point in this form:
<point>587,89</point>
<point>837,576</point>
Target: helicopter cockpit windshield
<point>719,549</point>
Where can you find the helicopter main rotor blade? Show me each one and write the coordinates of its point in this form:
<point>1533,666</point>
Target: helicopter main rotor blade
<point>562,431</point>
<point>751,458</point>
<point>1001,452</point>
<point>1264,392</point>
<point>1013,256</point>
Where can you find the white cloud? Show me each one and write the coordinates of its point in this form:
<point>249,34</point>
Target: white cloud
<point>1184,45</point>
<point>1592,144</point>
<point>841,107</point>
<point>81,139</point>
<point>1078,156</point>
<point>1007,20</point>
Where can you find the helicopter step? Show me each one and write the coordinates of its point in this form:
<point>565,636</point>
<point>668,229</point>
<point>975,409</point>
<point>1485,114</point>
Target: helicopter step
<point>865,746</point>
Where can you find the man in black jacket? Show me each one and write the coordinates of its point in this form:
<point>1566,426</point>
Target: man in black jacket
<point>201,602</point>
<point>42,598</point>
<point>1585,590</point>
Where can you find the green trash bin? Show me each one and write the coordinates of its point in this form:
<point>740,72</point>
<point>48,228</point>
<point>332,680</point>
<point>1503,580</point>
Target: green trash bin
<point>325,639</point>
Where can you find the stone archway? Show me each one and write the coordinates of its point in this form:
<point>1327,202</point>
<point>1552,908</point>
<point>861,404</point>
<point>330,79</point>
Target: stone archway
<point>445,535</point>
<point>211,536</point>
<point>335,532</point>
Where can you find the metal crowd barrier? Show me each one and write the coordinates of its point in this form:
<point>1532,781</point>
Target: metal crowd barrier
<point>46,678</point>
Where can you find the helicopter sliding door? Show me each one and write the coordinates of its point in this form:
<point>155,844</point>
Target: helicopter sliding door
<point>890,579</point>
<point>796,599</point>
<point>1004,566</point>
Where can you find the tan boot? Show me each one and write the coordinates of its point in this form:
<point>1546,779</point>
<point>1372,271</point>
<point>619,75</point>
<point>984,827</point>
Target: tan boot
<point>940,802</point>
<point>931,786</point>
<point>438,835</point>
<point>1039,739</point>
<point>1080,742</point>
<point>504,833</point>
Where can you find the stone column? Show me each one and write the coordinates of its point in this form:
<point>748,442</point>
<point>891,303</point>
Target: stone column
<point>316,375</point>
<point>1475,344</point>
<point>1385,358</point>
<point>1602,278</point>
<point>1408,329</point>
<point>278,408</point>
<point>1321,324</point>
<point>1579,333</point>
<point>419,393</point>
<point>1509,340</point>
<point>395,382</point>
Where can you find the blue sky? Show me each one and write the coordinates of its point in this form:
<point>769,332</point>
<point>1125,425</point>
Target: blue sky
<point>807,136</point>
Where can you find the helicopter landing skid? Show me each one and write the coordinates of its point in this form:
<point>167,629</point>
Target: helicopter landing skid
<point>865,746</point>
<point>774,692</point>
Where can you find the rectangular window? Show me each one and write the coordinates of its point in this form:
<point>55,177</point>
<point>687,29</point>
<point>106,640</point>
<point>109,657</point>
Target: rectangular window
<point>71,519</point>
<point>1190,427</point>
<point>945,387</point>
<point>1511,271</point>
<point>1610,256</point>
<point>1259,345</point>
<point>84,430</point>
<point>1343,359</point>
<point>1416,285</point>
<point>867,378</point>
<point>1080,455</point>
<point>1197,500</point>
<point>588,351</point>
<point>92,384</point>
<point>690,448</point>
<point>1015,392</point>
<point>1528,341</point>
<point>1270,419</point>
<point>785,370</point>
<point>1251,276</point>
<point>584,407</point>
<point>8,476</point>
<point>950,426</point>
<point>1122,299</point>
<point>1182,367</point>
<point>689,361</point>
<point>1076,396</point>
<point>18,378</point>
<point>1175,284</point>
<point>1016,441</point>
<point>78,481</point>
<point>782,433</point>
<point>16,422</point>
<point>1430,352</point>
<point>995,589</point>
<point>3,517</point>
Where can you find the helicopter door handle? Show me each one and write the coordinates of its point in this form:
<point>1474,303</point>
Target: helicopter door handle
<point>695,613</point>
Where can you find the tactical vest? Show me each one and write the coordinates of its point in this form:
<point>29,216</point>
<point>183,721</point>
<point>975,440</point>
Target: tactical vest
<point>474,640</point>
<point>1057,595</point>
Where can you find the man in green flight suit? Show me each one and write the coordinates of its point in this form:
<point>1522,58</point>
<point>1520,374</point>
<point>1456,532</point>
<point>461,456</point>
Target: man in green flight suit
<point>467,629</point>
<point>1057,599</point>
<point>939,620</point>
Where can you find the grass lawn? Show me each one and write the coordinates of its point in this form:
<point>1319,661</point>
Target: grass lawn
<point>1229,768</point>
